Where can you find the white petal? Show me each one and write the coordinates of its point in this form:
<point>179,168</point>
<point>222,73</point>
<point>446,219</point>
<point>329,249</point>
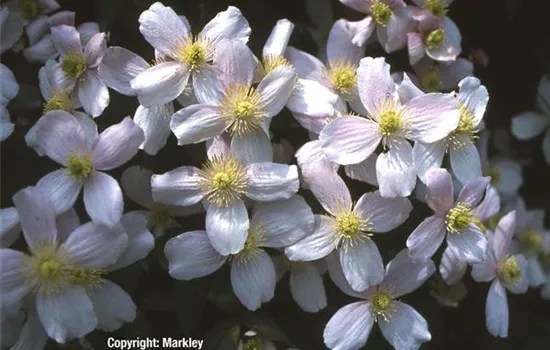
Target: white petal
<point>136,183</point>
<point>180,186</point>
<point>406,328</point>
<point>196,123</point>
<point>93,93</point>
<point>155,123</point>
<point>473,95</point>
<point>473,191</point>
<point>484,271</point>
<point>271,181</point>
<point>207,85</point>
<point>235,62</point>
<point>118,67</point>
<point>254,147</point>
<point>191,255</point>
<point>312,98</point>
<point>451,268</point>
<point>307,288</point>
<point>364,171</point>
<point>350,327</point>
<point>535,273</point>
<point>395,170</point>
<point>362,264</point>
<point>465,163</point>
<point>94,50</point>
<point>415,47</point>
<point>384,214</point>
<point>278,39</point>
<point>253,280</point>
<point>496,310</point>
<point>317,245</point>
<point>31,336</point>
<point>161,83</point>
<point>112,306</point>
<point>62,189</point>
<point>275,88</point>
<point>103,199</point>
<point>340,46</point>
<point>520,286</point>
<point>227,227</point>
<point>307,66</point>
<point>439,190</point>
<point>9,88</point>
<point>375,83</point>
<point>162,28</point>
<point>66,39</point>
<point>450,48</point>
<point>68,315</point>
<point>10,229</point>
<point>528,124</point>
<point>432,116</point>
<point>426,238</point>
<point>228,24</point>
<point>511,177</point>
<point>14,285</point>
<point>404,275</point>
<point>428,156</point>
<point>502,237</point>
<point>469,245</point>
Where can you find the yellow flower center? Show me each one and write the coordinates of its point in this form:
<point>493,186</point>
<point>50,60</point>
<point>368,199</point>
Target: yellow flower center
<point>458,218</point>
<point>466,127</point>
<point>381,12</point>
<point>29,9</point>
<point>436,7</point>
<point>80,166</point>
<point>242,110</point>
<point>251,246</point>
<point>225,181</point>
<point>73,65</point>
<point>530,239</point>
<point>273,61</point>
<point>509,271</point>
<point>351,228</point>
<point>435,38</point>
<point>193,53</point>
<point>343,76</point>
<point>59,99</point>
<point>85,277</point>
<point>382,304</point>
<point>390,122</point>
<point>431,82</point>
<point>160,216</point>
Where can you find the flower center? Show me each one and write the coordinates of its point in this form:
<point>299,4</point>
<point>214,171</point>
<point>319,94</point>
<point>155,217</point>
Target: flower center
<point>225,181</point>
<point>382,304</point>
<point>390,122</point>
<point>80,166</point>
<point>466,127</point>
<point>431,82</point>
<point>59,99</point>
<point>509,271</point>
<point>381,12</point>
<point>343,76</point>
<point>29,9</point>
<point>251,245</point>
<point>242,110</point>
<point>160,216</point>
<point>73,65</point>
<point>350,228</point>
<point>193,53</point>
<point>254,343</point>
<point>273,61</point>
<point>85,277</point>
<point>436,7</point>
<point>435,38</point>
<point>458,218</point>
<point>530,240</point>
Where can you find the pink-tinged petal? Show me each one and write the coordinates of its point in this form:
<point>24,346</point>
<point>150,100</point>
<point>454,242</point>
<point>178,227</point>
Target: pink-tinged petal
<point>207,85</point>
<point>364,171</point>
<point>317,245</point>
<point>180,186</point>
<point>349,139</point>
<point>87,30</point>
<point>60,136</point>
<point>511,177</point>
<point>48,6</point>
<point>275,89</point>
<point>484,271</point>
<point>67,315</point>
<point>439,190</point>
<point>307,288</point>
<point>254,147</point>
<point>361,31</point>
<point>339,45</point>
<point>432,117</point>
<point>117,145</point>
<point>427,157</point>
<point>14,285</point>
<point>197,123</point>
<point>451,268</point>
<point>307,66</point>
<point>473,191</point>
<point>103,199</point>
<point>503,235</point>
<point>474,96</point>
<point>118,67</point>
<point>155,123</point>
<point>88,125</point>
<point>93,94</point>
<point>415,46</point>
<point>406,328</point>
<point>384,214</point>
<point>227,227</point>
<point>465,163</point>
<point>253,280</point>
<point>393,36</point>
<point>496,310</point>
<point>271,181</point>
<point>407,89</point>
<point>362,264</point>
<point>278,39</point>
<point>112,306</point>
<point>228,24</point>
<point>312,98</point>
<point>528,125</point>
<point>375,83</point>
<point>95,49</point>
<point>350,327</point>
<point>66,39</point>
<point>235,62</point>
<point>489,207</point>
<point>36,216</point>
<point>191,255</point>
<point>395,170</point>
<point>470,245</point>
<point>404,275</point>
<point>61,188</point>
<point>426,238</point>
<point>95,246</point>
<point>162,28</point>
<point>218,146</point>
<point>161,83</point>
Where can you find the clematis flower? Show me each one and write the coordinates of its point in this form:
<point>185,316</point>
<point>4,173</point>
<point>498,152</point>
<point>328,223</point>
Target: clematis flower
<point>348,228</point>
<point>431,76</point>
<point>239,109</point>
<point>401,325</point>
<point>391,18</point>
<point>9,88</point>
<point>274,224</point>
<point>33,15</point>
<point>59,270</point>
<point>457,220</point>
<point>530,124</point>
<point>77,67</point>
<point>436,8</point>
<point>504,271</point>
<point>464,156</point>
<point>392,120</point>
<point>186,56</point>
<point>9,226</point>
<point>84,155</point>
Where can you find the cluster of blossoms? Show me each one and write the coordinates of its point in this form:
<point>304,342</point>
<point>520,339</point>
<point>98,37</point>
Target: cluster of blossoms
<point>389,130</point>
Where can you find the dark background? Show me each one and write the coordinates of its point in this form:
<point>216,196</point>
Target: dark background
<point>515,36</point>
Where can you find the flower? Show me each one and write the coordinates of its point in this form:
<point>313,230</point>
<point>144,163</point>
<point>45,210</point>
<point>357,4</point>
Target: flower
<point>401,325</point>
<point>458,220</point>
<point>275,224</point>
<point>431,76</point>
<point>9,88</point>
<point>464,156</point>
<point>77,67</point>
<point>83,154</point>
<point>505,271</point>
<point>348,230</point>
<point>185,55</point>
<point>424,118</point>
<point>11,26</point>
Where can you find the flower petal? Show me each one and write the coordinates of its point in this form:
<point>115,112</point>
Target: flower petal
<point>470,245</point>
<point>155,123</point>
<point>312,99</point>
<point>362,264</point>
<point>161,83</point>
<point>275,88</point>
<point>136,183</point>
<point>395,170</point>
<point>103,199</point>
<point>228,24</point>
<point>307,66</point>
<point>350,327</point>
<point>271,181</point>
<point>340,47</point>
<point>426,238</point>
<point>118,67</point>
<point>307,288</point>
<point>235,62</point>
<point>528,124</point>
<point>162,28</point>
<point>227,227</point>
<point>466,163</point>
<point>496,310</point>
<point>451,268</point>
<point>451,47</point>
<point>439,190</point>
<point>112,306</point>
<point>428,156</point>
<point>404,275</point>
<point>62,189</point>
<point>10,229</point>
<point>502,237</point>
<point>415,47</point>
<point>375,83</point>
<point>207,86</point>
<point>473,191</point>
<point>364,171</point>
<point>94,50</point>
<point>254,147</point>
<point>196,123</point>
<point>278,39</point>
<point>180,186</point>
<point>321,242</point>
<point>432,116</point>
<point>520,286</point>
<point>384,214</point>
<point>406,328</point>
<point>14,285</point>
<point>66,39</point>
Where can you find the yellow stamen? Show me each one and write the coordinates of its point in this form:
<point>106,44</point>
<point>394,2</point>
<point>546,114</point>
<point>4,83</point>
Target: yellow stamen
<point>194,52</point>
<point>273,61</point>
<point>242,110</point>
<point>73,65</point>
<point>530,239</point>
<point>80,166</point>
<point>509,271</point>
<point>436,7</point>
<point>382,304</point>
<point>431,82</point>
<point>351,228</point>
<point>467,130</point>
<point>458,218</point>
<point>343,77</point>
<point>435,38</point>
<point>256,236</point>
<point>225,181</point>
<point>381,12</point>
<point>59,99</point>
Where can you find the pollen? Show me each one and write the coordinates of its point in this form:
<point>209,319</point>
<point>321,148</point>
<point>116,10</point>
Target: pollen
<point>242,110</point>
<point>382,304</point>
<point>435,38</point>
<point>252,247</point>
<point>390,122</point>
<point>85,277</point>
<point>431,82</point>
<point>343,76</point>
<point>351,228</point>
<point>436,8</point>
<point>29,9</point>
<point>45,270</point>
<point>73,65</point>
<point>193,53</point>
<point>467,130</point>
<point>381,12</point>
<point>59,100</point>
<point>458,218</point>
<point>509,271</point>
<point>225,180</point>
<point>273,61</point>
<point>80,166</point>
<point>530,239</point>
